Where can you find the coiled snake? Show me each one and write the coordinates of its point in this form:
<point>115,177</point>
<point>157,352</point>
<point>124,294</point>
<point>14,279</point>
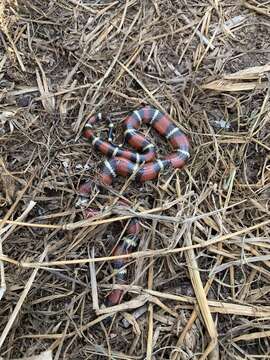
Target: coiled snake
<point>126,162</point>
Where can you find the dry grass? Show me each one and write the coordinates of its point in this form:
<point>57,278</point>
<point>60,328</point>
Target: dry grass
<point>199,282</point>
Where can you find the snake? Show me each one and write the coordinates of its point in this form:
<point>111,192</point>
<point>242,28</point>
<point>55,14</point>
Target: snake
<point>142,163</point>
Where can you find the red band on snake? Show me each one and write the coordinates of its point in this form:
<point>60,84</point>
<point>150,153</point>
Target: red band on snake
<point>126,162</point>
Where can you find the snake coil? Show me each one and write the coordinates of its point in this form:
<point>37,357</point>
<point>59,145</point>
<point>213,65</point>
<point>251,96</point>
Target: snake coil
<point>142,163</point>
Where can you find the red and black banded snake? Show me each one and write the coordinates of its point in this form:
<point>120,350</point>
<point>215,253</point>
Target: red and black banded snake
<point>126,162</point>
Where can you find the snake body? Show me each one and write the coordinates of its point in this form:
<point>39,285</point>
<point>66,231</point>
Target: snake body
<point>142,163</point>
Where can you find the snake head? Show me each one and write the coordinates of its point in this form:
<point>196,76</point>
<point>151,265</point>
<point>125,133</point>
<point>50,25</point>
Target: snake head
<point>86,188</point>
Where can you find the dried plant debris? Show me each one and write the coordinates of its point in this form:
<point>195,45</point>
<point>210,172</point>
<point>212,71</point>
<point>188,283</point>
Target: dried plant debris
<point>199,280</point>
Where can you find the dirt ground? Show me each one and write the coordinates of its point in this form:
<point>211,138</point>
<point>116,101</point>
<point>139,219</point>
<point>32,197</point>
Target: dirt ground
<point>200,274</point>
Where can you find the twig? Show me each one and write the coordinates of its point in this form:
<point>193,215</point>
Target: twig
<point>94,282</point>
<point>200,35</point>
<point>257,9</point>
<point>21,301</point>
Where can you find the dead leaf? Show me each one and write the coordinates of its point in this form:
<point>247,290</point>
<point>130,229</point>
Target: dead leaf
<point>254,72</point>
<point>227,85</point>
